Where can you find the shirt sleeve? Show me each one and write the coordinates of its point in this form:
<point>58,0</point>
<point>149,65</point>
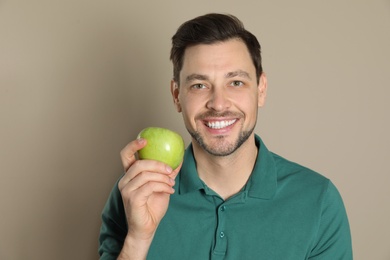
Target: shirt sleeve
<point>333,239</point>
<point>114,227</point>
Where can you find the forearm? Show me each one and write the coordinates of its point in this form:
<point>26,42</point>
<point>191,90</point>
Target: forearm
<point>134,249</point>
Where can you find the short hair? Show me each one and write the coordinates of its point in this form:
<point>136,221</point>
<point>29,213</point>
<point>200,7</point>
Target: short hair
<point>209,29</point>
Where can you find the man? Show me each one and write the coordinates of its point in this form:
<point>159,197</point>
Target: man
<point>231,198</point>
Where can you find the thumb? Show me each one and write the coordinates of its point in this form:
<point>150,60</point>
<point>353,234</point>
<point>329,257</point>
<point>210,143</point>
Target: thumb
<point>128,153</point>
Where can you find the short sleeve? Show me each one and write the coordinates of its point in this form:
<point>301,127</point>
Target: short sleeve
<point>333,240</point>
<point>114,227</point>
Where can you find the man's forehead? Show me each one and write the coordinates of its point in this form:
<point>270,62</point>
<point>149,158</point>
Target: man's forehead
<point>227,58</point>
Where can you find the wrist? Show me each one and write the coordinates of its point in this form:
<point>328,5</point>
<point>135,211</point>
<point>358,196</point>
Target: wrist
<point>135,248</point>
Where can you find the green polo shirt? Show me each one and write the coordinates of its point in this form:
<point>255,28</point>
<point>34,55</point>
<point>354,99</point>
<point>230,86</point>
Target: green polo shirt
<point>284,212</point>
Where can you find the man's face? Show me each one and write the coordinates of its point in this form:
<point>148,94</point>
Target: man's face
<point>219,95</point>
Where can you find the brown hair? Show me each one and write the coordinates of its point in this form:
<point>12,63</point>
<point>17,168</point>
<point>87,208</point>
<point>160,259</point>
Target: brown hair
<point>208,29</point>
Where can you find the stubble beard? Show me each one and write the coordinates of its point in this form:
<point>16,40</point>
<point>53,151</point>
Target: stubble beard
<point>222,148</point>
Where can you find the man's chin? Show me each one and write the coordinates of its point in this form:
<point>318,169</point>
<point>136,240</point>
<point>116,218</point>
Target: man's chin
<point>219,148</point>
<point>219,145</point>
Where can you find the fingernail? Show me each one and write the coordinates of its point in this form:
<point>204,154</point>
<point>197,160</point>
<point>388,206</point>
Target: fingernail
<point>169,169</point>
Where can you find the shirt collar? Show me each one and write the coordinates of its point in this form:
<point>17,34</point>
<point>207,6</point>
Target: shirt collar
<point>261,184</point>
<point>263,181</point>
<point>188,176</point>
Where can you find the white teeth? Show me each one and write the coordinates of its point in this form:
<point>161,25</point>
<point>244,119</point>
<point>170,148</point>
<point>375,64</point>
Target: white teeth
<point>220,124</point>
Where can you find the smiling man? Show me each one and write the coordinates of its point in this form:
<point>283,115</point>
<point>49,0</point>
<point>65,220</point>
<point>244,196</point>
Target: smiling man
<point>231,198</point>
<point>220,95</point>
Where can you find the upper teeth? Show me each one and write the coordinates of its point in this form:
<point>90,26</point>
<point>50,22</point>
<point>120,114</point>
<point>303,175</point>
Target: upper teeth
<point>220,124</point>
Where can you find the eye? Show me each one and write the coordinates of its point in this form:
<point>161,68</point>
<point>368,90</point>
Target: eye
<point>237,83</point>
<point>198,86</point>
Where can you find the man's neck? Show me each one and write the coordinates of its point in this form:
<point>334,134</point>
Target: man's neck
<point>226,175</point>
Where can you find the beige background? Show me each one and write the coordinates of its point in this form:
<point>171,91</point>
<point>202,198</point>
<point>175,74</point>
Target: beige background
<point>79,79</point>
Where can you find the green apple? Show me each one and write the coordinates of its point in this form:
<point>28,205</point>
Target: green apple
<point>162,145</point>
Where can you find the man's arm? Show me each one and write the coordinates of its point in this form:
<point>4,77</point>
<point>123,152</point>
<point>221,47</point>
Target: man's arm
<point>135,249</point>
<point>115,243</point>
<point>136,206</point>
<point>113,230</point>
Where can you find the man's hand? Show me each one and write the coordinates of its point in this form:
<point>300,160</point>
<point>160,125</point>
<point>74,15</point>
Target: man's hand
<point>145,190</point>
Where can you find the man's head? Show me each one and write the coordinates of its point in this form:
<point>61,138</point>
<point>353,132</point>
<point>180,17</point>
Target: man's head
<point>209,29</point>
<point>218,84</point>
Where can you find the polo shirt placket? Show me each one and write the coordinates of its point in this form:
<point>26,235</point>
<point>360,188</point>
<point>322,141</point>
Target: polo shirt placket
<point>223,210</point>
<point>221,236</point>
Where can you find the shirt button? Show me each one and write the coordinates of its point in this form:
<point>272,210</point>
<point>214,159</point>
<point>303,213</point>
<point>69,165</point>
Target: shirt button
<point>223,208</point>
<point>221,234</point>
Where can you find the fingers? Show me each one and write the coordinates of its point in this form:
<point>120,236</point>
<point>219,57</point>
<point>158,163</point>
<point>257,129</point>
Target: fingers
<point>128,153</point>
<point>176,171</point>
<point>144,178</point>
<point>144,185</point>
<point>149,175</point>
<point>143,171</point>
<point>144,167</point>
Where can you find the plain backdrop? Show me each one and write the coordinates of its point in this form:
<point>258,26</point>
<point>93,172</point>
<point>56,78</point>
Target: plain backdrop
<point>79,79</point>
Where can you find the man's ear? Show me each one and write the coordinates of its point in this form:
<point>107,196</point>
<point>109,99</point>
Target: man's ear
<point>262,90</point>
<point>175,95</point>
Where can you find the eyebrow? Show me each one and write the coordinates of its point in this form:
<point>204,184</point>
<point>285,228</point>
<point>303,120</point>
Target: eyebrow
<point>240,73</point>
<point>194,76</point>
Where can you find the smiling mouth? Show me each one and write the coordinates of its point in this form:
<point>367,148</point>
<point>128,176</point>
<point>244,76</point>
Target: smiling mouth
<point>220,124</point>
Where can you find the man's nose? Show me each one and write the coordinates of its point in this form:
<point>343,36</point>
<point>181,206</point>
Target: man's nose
<point>218,100</point>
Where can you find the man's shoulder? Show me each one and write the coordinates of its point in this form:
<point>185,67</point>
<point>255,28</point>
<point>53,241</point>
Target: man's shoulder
<point>296,172</point>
